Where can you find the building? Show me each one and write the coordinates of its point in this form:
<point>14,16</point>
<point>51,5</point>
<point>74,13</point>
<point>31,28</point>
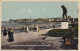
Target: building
<point>47,20</point>
<point>61,25</point>
<point>18,20</point>
<point>24,20</point>
<point>52,19</point>
<point>38,20</point>
<point>11,20</point>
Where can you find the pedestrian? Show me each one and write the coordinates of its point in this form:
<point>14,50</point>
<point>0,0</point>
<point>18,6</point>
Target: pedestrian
<point>36,27</point>
<point>20,29</point>
<point>10,35</point>
<point>39,29</point>
<point>4,31</point>
<point>27,29</point>
<point>64,11</point>
<point>30,27</point>
<point>23,28</point>
<point>54,26</point>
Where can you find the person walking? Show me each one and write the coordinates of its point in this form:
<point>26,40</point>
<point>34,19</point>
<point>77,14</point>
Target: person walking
<point>10,35</point>
<point>26,29</point>
<point>4,31</point>
<point>36,28</point>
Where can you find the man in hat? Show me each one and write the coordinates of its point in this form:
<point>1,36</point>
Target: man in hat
<point>64,11</point>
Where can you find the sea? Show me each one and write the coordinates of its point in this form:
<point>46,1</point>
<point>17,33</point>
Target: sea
<point>3,24</point>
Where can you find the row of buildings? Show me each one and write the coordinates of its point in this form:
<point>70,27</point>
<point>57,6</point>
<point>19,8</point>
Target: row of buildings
<point>45,20</point>
<point>33,20</point>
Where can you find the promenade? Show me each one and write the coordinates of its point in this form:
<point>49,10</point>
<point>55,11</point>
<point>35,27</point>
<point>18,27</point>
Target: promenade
<point>23,36</point>
<point>29,40</point>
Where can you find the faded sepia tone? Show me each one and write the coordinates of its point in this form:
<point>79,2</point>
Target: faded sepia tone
<point>33,39</point>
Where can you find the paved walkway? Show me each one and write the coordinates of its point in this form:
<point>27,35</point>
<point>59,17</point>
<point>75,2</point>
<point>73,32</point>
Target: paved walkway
<point>33,38</point>
<point>19,37</point>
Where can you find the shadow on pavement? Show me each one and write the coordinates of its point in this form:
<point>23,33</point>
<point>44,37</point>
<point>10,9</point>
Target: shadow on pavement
<point>42,35</point>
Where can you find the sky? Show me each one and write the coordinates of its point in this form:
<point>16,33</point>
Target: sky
<point>37,9</point>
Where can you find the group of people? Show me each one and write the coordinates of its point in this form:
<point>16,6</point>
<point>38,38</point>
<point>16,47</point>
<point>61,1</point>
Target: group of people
<point>27,29</point>
<point>36,28</point>
<point>10,33</point>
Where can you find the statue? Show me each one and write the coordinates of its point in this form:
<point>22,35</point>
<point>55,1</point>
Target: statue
<point>64,11</point>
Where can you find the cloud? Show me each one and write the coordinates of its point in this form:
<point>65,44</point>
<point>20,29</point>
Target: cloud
<point>43,9</point>
<point>29,10</point>
<point>22,10</point>
<point>25,10</point>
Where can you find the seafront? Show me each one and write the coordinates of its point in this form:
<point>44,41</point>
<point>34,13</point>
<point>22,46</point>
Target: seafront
<point>23,36</point>
<point>39,26</point>
<point>34,41</point>
<point>15,25</point>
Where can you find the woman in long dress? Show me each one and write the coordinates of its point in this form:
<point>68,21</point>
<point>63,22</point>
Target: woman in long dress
<point>26,29</point>
<point>10,35</point>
